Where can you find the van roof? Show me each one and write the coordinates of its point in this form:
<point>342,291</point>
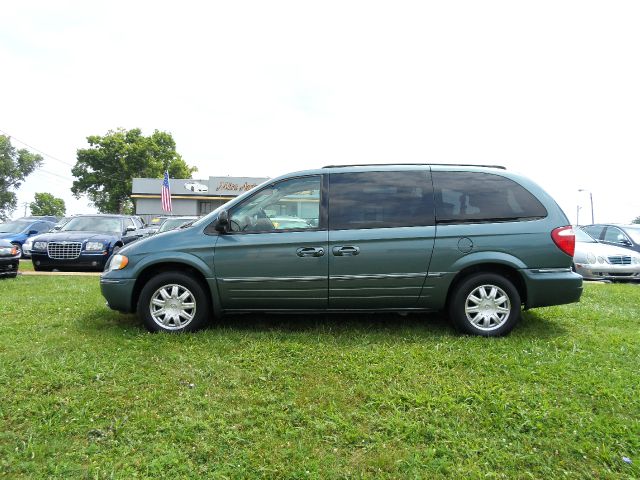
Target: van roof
<point>420,164</point>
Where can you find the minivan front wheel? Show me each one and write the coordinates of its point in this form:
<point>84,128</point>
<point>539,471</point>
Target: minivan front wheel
<point>173,302</point>
<point>485,304</point>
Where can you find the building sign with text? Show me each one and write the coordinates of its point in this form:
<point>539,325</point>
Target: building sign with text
<point>233,186</point>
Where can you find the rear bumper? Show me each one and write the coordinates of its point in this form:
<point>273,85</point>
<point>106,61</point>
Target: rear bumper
<point>551,286</point>
<point>118,293</point>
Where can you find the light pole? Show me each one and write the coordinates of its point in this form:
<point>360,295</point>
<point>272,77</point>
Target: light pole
<point>591,200</point>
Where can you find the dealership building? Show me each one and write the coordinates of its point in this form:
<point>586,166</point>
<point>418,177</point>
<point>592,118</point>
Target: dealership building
<point>188,196</point>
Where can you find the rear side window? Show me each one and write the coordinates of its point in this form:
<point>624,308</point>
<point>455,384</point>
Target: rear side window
<point>471,197</point>
<point>380,200</point>
<point>594,230</point>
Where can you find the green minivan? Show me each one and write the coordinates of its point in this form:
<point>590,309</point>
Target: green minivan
<point>477,242</point>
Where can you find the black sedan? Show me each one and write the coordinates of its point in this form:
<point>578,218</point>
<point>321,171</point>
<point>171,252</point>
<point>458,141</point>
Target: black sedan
<point>85,242</point>
<point>9,259</point>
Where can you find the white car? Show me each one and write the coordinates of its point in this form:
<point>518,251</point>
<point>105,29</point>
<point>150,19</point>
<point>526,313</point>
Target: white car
<point>598,261</point>
<point>196,187</point>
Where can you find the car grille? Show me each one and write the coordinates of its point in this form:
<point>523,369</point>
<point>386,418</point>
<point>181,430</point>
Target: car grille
<point>620,260</point>
<point>64,250</point>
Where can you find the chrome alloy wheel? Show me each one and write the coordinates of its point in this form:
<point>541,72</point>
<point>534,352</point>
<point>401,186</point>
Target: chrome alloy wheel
<point>487,307</point>
<point>172,306</point>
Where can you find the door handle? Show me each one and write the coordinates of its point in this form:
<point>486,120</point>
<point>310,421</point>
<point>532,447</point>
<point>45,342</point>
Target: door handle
<point>310,252</point>
<point>346,251</point>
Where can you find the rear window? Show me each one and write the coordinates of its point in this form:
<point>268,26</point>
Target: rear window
<point>380,200</point>
<point>471,197</point>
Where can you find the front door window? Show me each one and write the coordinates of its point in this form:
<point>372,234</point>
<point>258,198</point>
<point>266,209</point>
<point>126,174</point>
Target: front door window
<point>289,205</point>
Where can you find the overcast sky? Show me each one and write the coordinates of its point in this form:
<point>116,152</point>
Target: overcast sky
<point>550,89</point>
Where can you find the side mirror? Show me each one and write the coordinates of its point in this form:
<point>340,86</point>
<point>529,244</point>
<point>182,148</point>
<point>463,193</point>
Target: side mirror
<point>130,228</point>
<point>222,224</point>
<point>32,232</point>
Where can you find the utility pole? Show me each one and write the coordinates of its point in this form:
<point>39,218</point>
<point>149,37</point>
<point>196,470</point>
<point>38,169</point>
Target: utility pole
<point>25,205</point>
<point>591,200</point>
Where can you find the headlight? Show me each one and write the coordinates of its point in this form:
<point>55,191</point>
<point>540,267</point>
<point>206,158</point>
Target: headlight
<point>8,250</point>
<point>635,260</point>
<point>117,262</point>
<point>39,245</point>
<point>591,258</point>
<point>94,246</point>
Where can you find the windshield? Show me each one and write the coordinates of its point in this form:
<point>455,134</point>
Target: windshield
<point>582,236</point>
<point>13,227</point>
<point>93,224</point>
<point>634,233</point>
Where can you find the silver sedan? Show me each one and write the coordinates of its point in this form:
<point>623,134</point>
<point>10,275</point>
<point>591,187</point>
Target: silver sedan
<point>597,261</point>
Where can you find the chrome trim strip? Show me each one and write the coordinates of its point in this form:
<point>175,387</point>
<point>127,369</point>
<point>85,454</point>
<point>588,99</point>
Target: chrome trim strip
<point>379,276</point>
<point>436,274</point>
<point>274,279</point>
<point>551,270</point>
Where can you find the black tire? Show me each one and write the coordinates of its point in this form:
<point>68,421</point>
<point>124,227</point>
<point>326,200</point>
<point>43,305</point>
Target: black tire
<point>498,305</point>
<point>37,268</point>
<point>182,317</point>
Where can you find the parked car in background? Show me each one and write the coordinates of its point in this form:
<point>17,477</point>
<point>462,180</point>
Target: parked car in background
<point>598,261</point>
<point>17,231</point>
<point>172,223</point>
<point>84,242</point>
<point>48,218</point>
<point>625,236</point>
<point>9,259</point>
<point>477,242</point>
<point>61,223</point>
<point>290,222</point>
<point>26,246</point>
<point>154,223</point>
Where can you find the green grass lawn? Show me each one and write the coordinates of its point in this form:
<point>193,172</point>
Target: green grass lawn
<point>86,392</point>
<point>26,265</point>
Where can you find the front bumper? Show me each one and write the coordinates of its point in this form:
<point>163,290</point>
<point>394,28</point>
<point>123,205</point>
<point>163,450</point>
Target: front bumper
<point>86,261</point>
<point>608,272</point>
<point>118,293</point>
<point>551,286</point>
<point>9,266</point>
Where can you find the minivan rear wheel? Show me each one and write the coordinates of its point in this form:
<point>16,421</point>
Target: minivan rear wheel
<point>173,302</point>
<point>485,304</point>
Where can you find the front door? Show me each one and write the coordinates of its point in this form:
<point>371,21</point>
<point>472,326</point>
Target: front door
<point>381,235</point>
<point>275,255</point>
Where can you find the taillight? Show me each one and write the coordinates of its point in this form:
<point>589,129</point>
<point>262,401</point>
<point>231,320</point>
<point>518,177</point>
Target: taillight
<point>565,239</point>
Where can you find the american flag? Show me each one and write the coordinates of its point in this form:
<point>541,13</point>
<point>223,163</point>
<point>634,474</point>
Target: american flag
<point>166,193</point>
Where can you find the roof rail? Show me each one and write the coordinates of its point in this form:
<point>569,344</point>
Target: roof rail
<point>417,164</point>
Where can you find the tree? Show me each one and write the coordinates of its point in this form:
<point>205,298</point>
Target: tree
<point>636,220</point>
<point>47,204</point>
<point>15,165</point>
<point>105,170</point>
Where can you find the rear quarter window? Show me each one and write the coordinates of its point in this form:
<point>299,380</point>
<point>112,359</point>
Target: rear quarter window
<point>473,197</point>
